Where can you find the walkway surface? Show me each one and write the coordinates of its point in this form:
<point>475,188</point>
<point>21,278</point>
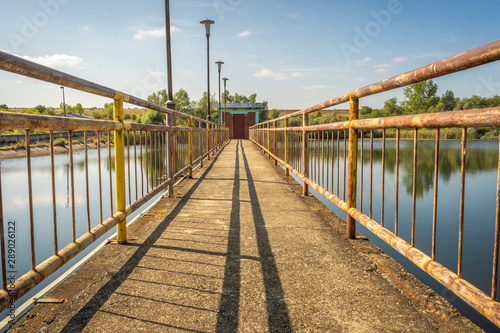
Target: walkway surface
<point>238,249</point>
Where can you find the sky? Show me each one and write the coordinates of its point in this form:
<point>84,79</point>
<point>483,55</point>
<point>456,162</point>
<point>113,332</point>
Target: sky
<point>291,53</point>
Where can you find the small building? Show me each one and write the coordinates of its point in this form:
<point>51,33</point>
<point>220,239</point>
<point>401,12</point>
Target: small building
<point>239,117</point>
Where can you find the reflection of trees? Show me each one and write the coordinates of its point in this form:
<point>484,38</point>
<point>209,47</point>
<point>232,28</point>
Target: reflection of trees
<point>478,160</point>
<point>481,156</point>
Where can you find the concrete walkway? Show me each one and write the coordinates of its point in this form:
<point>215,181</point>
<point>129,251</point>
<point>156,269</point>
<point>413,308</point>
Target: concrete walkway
<point>237,250</point>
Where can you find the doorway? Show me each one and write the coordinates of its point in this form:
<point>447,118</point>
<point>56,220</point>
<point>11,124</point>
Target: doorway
<point>239,126</point>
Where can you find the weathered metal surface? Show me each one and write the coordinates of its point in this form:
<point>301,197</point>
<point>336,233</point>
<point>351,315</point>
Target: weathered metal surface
<point>461,216</point>
<point>305,154</point>
<point>494,278</point>
<point>353,168</point>
<point>120,171</point>
<point>487,117</point>
<point>22,121</point>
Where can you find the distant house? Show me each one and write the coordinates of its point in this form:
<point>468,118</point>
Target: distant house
<point>239,117</point>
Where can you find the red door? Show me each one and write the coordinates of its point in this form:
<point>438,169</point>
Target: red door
<point>239,126</point>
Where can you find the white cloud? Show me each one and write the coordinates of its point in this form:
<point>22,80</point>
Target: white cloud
<point>245,33</point>
<point>84,28</point>
<point>56,60</point>
<point>381,70</point>
<point>277,76</point>
<point>399,59</point>
<point>155,33</point>
<point>363,62</point>
<point>382,66</point>
<point>317,87</point>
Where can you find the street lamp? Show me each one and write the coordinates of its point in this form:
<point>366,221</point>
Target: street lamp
<point>207,24</point>
<point>170,102</point>
<point>64,102</point>
<point>225,98</point>
<point>219,64</point>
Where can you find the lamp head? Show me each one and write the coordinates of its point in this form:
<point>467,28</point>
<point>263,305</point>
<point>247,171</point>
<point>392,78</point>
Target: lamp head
<point>219,64</point>
<point>207,24</point>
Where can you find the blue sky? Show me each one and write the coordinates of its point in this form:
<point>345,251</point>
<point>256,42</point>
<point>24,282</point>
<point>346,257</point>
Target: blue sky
<point>292,53</point>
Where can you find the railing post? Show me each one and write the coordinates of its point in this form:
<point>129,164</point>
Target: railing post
<point>200,126</point>
<point>269,140</point>
<point>208,141</point>
<point>275,152</point>
<point>305,153</point>
<point>190,147</point>
<point>120,170</point>
<point>352,167</point>
<point>287,172</point>
<point>171,149</point>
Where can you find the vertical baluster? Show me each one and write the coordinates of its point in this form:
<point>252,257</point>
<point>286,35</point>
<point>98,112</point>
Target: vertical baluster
<point>87,187</point>
<point>414,192</point>
<point>396,202</point>
<point>338,164</point>
<point>54,202</point>
<point>370,203</point>
<point>110,175</point>
<point>72,177</point>
<point>494,279</point>
<point>30,200</point>
<point>2,236</point>
<point>435,199</point>
<point>100,177</point>
<point>345,163</point>
<point>462,204</point>
<point>361,175</point>
<point>128,169</point>
<point>382,199</point>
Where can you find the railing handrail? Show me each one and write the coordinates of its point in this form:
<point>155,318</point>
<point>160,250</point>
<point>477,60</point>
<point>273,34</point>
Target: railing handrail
<point>478,56</point>
<point>18,65</point>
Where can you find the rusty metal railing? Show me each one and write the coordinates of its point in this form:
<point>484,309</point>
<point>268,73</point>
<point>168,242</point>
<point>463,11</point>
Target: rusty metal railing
<point>292,147</point>
<point>147,159</point>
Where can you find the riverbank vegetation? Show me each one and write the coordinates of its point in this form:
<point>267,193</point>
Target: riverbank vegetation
<point>418,98</point>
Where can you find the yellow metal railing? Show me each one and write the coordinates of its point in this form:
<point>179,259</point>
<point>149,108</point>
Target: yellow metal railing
<point>291,146</point>
<point>165,153</point>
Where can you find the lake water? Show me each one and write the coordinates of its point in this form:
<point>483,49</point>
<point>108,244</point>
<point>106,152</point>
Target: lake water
<point>15,203</point>
<point>480,204</point>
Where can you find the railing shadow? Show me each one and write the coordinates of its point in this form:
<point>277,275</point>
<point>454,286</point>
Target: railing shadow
<point>277,313</point>
<point>94,305</point>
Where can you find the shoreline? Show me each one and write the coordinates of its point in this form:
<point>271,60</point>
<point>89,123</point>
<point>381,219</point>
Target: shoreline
<point>42,151</point>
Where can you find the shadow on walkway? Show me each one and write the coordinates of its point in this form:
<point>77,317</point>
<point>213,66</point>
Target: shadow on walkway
<point>277,314</point>
<point>83,317</point>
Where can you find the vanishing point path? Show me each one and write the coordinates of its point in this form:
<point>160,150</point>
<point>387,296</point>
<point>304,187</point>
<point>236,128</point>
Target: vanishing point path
<point>237,249</point>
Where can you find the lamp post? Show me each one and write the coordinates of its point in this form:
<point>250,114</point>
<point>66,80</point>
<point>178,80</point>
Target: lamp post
<point>225,98</point>
<point>64,102</point>
<point>219,64</point>
<point>207,24</point>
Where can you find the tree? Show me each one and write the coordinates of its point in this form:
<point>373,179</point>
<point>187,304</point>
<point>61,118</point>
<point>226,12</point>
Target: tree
<point>391,107</point>
<point>182,102</point>
<point>420,96</point>
<point>448,100</point>
<point>252,98</point>
<point>159,98</point>
<point>108,111</point>
<point>154,117</point>
<point>4,107</point>
<point>78,108</point>
<point>40,109</point>
<point>274,114</point>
